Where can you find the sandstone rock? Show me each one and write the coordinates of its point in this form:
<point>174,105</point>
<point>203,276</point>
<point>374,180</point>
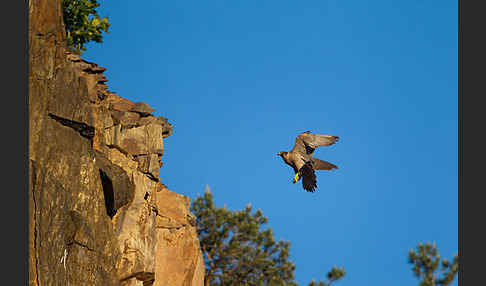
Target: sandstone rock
<point>178,256</point>
<point>91,86</point>
<point>136,141</point>
<point>162,121</point>
<point>126,119</point>
<point>112,135</point>
<point>133,141</point>
<point>122,160</point>
<point>73,57</point>
<point>101,78</point>
<point>153,138</point>
<point>147,120</point>
<point>143,108</point>
<point>94,69</point>
<point>103,117</point>
<point>135,225</point>
<point>140,280</point>
<point>65,181</point>
<point>118,103</point>
<point>149,164</point>
<point>97,213</point>
<point>69,99</point>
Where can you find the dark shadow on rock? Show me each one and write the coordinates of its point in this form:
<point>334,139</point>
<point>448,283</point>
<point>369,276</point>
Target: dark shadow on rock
<point>108,194</point>
<point>118,190</point>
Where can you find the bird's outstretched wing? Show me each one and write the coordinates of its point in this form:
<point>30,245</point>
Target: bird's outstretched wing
<point>305,143</point>
<point>309,180</point>
<point>322,165</point>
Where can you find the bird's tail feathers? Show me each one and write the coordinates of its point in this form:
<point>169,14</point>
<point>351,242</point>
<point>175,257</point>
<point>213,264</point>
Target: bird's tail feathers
<point>322,165</point>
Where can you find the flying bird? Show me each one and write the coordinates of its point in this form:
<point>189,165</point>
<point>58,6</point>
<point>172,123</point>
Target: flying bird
<point>301,160</point>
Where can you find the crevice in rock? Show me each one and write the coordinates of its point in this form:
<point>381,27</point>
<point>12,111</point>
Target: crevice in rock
<point>46,35</point>
<point>119,149</point>
<point>82,128</point>
<point>92,101</point>
<point>93,68</point>
<point>108,127</point>
<point>147,278</point>
<point>151,176</point>
<point>156,211</point>
<point>166,133</point>
<point>172,227</point>
<point>142,114</point>
<point>33,184</point>
<point>149,282</point>
<point>109,194</point>
<point>125,127</point>
<point>82,245</point>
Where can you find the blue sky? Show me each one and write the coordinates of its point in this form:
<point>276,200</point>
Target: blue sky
<point>239,80</point>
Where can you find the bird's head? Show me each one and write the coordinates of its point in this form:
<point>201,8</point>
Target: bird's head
<point>281,154</point>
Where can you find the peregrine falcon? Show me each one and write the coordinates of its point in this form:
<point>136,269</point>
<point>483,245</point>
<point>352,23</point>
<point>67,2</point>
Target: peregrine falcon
<point>301,160</point>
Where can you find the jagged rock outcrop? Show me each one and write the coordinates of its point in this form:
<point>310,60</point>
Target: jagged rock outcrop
<point>178,257</point>
<point>98,213</point>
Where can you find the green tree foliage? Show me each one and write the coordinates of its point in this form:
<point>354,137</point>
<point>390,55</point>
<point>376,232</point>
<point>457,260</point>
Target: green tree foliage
<point>237,251</point>
<point>426,262</point>
<point>83,24</point>
<point>333,275</point>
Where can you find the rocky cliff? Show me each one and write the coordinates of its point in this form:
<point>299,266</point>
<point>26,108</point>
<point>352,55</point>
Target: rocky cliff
<point>98,212</point>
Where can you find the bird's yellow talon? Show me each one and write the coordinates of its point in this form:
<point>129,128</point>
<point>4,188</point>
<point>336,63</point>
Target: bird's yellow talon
<point>296,178</point>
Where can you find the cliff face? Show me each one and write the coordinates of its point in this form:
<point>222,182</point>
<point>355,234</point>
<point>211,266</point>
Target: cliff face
<point>98,213</point>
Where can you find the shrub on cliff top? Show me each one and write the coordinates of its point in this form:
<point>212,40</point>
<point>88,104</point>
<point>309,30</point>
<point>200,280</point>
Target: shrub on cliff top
<point>82,23</point>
